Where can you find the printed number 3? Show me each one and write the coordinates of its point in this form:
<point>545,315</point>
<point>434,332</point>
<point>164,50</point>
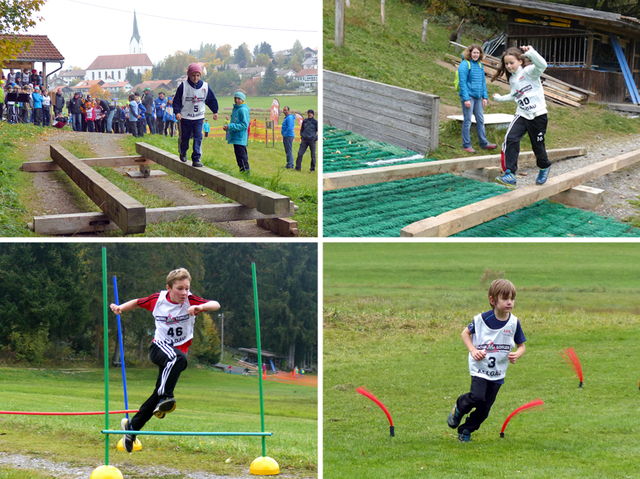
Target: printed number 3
<point>178,332</point>
<point>492,361</point>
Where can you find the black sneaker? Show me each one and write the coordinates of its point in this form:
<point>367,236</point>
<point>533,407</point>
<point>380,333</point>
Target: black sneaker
<point>183,158</point>
<point>165,406</point>
<point>128,439</point>
<point>464,436</point>
<point>454,418</point>
<point>197,164</point>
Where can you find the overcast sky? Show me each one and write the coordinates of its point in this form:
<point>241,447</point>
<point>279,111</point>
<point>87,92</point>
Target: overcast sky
<point>84,29</point>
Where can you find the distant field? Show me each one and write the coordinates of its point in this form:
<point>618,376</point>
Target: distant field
<point>297,103</point>
<point>393,314</point>
<point>207,401</point>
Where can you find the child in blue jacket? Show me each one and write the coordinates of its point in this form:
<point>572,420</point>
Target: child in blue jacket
<point>237,130</point>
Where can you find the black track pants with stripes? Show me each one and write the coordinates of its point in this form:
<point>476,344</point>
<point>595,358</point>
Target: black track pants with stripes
<point>171,362</point>
<point>536,128</point>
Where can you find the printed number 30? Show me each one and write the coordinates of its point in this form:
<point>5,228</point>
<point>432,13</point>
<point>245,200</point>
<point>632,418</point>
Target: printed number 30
<point>492,361</point>
<point>178,332</point>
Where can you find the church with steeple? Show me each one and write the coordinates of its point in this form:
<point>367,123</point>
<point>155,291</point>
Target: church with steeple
<point>110,68</point>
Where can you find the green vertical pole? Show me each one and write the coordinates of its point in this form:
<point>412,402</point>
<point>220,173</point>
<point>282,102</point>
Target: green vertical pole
<point>255,300</point>
<point>106,354</point>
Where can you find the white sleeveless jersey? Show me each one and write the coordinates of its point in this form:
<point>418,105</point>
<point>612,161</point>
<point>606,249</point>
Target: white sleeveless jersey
<point>193,101</point>
<point>173,324</point>
<point>497,344</point>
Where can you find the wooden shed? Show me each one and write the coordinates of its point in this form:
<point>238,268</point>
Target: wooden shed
<point>578,43</point>
<point>41,50</point>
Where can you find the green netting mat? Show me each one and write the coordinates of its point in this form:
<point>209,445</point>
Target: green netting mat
<point>383,209</point>
<point>343,150</point>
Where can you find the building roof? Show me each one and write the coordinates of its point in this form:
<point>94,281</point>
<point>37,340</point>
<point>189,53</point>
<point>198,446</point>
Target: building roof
<point>84,85</point>
<point>265,353</point>
<point>119,84</point>
<point>105,62</point>
<point>154,84</point>
<point>307,71</point>
<point>280,73</point>
<point>72,73</point>
<point>582,14</point>
<point>41,49</point>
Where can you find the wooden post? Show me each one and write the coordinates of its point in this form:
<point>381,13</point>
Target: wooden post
<point>424,30</point>
<point>382,10</point>
<point>339,35</point>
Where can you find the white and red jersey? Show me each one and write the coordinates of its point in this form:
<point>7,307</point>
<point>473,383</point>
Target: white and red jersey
<point>174,325</point>
<point>193,101</point>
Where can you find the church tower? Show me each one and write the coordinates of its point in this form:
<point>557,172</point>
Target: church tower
<point>135,44</point>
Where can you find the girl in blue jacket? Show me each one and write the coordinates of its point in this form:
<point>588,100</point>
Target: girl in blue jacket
<point>237,130</point>
<point>473,96</point>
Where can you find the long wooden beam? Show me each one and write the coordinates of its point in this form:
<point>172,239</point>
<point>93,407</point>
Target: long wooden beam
<point>37,166</point>
<point>81,223</point>
<point>250,195</point>
<point>460,219</point>
<point>368,176</point>
<point>121,208</point>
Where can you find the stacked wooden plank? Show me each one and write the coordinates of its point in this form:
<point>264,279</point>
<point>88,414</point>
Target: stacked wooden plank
<point>555,90</point>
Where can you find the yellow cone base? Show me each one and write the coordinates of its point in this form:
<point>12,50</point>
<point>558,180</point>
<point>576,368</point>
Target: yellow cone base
<point>106,472</point>
<point>264,466</point>
<point>137,445</point>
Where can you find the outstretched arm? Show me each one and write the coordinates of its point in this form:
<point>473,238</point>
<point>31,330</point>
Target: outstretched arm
<point>128,306</point>
<point>208,306</point>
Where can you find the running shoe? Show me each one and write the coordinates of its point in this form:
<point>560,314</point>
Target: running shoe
<point>470,150</point>
<point>543,174</point>
<point>128,439</point>
<point>508,179</point>
<point>464,436</point>
<point>165,406</point>
<point>454,418</point>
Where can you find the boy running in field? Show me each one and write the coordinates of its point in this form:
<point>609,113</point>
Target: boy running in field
<point>189,106</point>
<point>489,338</point>
<point>175,313</point>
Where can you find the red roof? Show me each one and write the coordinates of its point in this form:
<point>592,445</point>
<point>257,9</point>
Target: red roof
<point>307,71</point>
<point>41,49</point>
<point>105,62</point>
<point>85,85</point>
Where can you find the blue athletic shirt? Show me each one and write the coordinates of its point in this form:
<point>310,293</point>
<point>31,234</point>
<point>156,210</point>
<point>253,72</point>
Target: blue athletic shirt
<point>489,318</point>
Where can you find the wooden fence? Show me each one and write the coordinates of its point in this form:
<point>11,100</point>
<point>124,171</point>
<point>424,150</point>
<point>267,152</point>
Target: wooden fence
<point>401,117</point>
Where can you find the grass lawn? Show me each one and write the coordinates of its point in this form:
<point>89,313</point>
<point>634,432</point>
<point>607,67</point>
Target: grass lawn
<point>394,326</point>
<point>207,401</point>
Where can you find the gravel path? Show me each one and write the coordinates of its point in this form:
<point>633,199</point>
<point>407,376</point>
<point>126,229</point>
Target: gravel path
<point>63,470</point>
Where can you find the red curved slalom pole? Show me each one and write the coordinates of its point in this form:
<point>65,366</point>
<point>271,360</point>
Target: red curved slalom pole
<point>30,413</point>
<point>529,405</point>
<point>366,393</point>
<point>571,358</point>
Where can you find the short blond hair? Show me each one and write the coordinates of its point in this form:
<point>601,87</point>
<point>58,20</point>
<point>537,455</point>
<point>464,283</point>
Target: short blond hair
<point>177,275</point>
<point>501,288</point>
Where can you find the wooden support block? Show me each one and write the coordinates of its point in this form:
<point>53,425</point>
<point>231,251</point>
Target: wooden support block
<point>460,219</point>
<point>581,196</point>
<point>486,175</point>
<point>250,195</point>
<point>368,176</point>
<point>121,208</point>
<point>70,224</point>
<point>281,226</point>
<point>145,174</point>
<point>37,166</point>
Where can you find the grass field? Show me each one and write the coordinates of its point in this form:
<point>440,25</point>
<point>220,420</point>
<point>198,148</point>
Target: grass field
<point>397,332</point>
<point>207,401</point>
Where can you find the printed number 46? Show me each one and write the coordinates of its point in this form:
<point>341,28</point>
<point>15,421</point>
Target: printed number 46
<point>178,332</point>
<point>492,361</point>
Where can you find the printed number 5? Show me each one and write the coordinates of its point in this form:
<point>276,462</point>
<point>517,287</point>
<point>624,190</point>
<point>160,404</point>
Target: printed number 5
<point>195,108</point>
<point>492,362</point>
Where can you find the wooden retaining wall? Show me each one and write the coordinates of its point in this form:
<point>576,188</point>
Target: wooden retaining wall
<point>401,117</point>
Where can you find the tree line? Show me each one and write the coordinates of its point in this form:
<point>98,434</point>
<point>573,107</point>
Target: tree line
<point>52,293</point>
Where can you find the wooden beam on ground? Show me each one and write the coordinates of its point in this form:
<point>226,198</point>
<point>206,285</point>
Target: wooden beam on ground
<point>460,219</point>
<point>368,176</point>
<point>82,223</point>
<point>37,166</point>
<point>265,201</point>
<point>121,208</point>
<point>282,226</point>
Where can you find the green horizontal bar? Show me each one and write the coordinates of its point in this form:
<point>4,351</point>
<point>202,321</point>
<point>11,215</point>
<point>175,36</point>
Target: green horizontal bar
<point>178,433</point>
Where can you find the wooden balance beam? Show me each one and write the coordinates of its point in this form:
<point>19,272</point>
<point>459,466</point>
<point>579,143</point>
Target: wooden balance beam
<point>38,166</point>
<point>118,206</point>
<point>82,223</point>
<point>263,200</point>
<point>368,176</point>
<point>460,219</point>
